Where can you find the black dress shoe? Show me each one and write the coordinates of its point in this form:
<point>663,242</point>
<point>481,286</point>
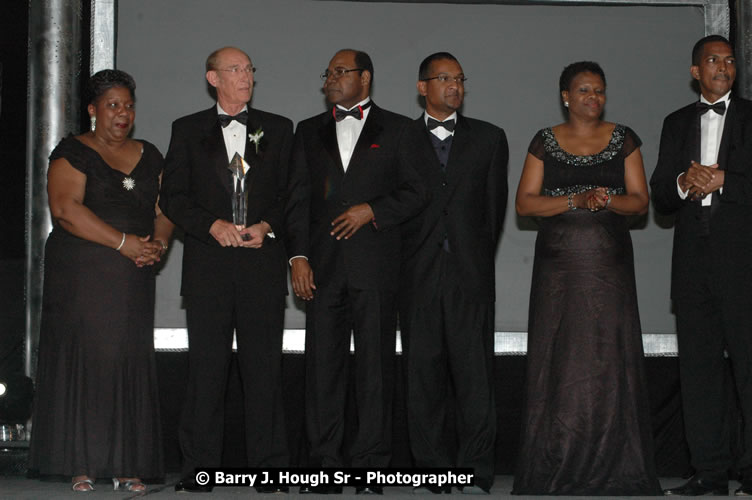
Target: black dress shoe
<point>745,490</point>
<point>698,486</point>
<point>267,488</point>
<point>369,490</point>
<point>322,489</point>
<point>428,489</point>
<point>191,486</point>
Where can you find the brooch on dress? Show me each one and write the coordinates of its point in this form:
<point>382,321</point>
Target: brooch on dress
<point>129,183</point>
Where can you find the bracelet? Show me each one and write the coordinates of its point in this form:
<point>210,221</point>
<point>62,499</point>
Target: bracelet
<point>608,200</point>
<point>122,242</point>
<point>164,245</point>
<point>570,202</point>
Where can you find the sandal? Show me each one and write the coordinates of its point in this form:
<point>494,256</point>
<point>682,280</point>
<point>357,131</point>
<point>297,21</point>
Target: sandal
<point>83,486</point>
<point>132,485</point>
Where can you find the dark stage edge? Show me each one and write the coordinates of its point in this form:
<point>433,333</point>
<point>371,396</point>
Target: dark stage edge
<point>21,488</point>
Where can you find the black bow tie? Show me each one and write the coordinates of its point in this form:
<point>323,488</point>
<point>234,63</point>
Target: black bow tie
<point>225,120</point>
<point>719,107</point>
<point>448,125</point>
<point>357,112</point>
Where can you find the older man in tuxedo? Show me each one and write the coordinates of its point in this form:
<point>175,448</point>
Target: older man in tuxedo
<point>234,277</point>
<point>447,290</point>
<point>349,191</point>
<point>704,176</point>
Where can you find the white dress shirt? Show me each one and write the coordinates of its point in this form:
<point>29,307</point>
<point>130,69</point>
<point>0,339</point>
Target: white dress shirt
<point>234,135</point>
<point>348,132</point>
<point>711,132</point>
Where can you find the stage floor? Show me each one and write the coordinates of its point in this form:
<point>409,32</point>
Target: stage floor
<point>21,488</point>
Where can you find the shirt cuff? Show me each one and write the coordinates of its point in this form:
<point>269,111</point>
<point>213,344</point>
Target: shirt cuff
<point>271,230</point>
<point>682,194</point>
<point>296,257</point>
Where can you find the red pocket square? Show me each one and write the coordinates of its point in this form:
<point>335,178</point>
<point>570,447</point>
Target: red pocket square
<point>374,146</point>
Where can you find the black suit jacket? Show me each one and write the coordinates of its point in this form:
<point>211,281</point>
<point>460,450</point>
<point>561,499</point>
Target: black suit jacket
<point>468,203</point>
<point>731,221</point>
<point>320,190</point>
<point>196,191</point>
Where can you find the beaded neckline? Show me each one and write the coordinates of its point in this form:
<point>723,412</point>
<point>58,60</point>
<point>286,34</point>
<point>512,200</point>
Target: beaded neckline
<point>552,147</point>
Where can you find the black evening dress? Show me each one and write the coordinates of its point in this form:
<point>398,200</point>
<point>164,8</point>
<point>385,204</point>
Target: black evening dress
<point>586,426</point>
<point>96,410</point>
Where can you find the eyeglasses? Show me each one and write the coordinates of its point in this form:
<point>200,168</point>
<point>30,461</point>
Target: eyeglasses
<point>236,70</point>
<point>337,73</point>
<point>459,80</point>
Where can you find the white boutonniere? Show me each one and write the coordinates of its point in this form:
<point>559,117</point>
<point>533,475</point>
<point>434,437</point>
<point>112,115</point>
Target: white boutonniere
<point>256,138</point>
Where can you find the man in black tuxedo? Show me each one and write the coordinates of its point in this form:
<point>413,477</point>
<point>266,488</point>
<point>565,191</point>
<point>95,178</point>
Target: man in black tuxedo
<point>704,175</point>
<point>234,277</point>
<point>348,192</point>
<point>448,288</point>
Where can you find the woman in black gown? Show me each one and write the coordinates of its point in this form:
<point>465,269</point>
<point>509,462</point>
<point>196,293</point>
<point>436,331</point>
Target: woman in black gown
<point>96,410</point>
<point>586,428</point>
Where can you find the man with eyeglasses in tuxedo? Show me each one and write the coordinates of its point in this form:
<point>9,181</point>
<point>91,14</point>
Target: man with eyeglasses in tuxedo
<point>349,190</point>
<point>234,277</point>
<point>447,289</point>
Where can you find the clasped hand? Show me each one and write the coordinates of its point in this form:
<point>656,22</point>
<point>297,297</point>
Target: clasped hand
<point>593,199</point>
<point>228,234</point>
<point>141,250</point>
<point>699,180</point>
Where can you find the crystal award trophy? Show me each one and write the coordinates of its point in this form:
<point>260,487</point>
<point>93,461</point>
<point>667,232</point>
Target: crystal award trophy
<point>239,168</point>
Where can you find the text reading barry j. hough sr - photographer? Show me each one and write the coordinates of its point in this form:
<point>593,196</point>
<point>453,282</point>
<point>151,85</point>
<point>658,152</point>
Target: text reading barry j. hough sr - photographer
<point>338,477</point>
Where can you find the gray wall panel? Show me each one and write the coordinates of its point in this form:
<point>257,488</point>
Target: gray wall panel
<point>512,55</point>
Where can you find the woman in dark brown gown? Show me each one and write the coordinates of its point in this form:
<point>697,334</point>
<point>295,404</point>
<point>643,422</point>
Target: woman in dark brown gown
<point>586,428</point>
<point>96,410</point>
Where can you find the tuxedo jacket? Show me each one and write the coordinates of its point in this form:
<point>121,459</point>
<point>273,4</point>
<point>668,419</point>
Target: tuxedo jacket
<point>196,191</point>
<point>468,201</point>
<point>320,190</point>
<point>731,216</point>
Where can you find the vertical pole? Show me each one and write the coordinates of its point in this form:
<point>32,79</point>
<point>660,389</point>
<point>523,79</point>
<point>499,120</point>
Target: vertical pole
<point>103,34</point>
<point>744,48</point>
<point>53,112</point>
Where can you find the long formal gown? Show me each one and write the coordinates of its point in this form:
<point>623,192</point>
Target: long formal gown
<point>96,410</point>
<point>586,427</point>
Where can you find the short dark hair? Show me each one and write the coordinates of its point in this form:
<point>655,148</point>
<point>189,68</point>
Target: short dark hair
<point>700,45</point>
<point>102,81</point>
<point>574,69</point>
<point>362,61</point>
<point>426,64</point>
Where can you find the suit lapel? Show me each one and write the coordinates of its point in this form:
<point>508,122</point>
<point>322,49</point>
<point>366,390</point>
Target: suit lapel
<point>328,135</point>
<point>729,126</point>
<point>461,148</point>
<point>728,133</point>
<point>425,138</point>
<point>368,136</point>
<point>695,137</point>
<point>214,145</point>
<point>253,159</point>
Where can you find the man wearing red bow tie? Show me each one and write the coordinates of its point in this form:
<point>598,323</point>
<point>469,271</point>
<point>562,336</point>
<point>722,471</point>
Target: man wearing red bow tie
<point>348,192</point>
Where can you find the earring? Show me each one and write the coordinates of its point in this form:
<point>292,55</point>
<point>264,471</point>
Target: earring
<point>566,105</point>
<point>93,123</point>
